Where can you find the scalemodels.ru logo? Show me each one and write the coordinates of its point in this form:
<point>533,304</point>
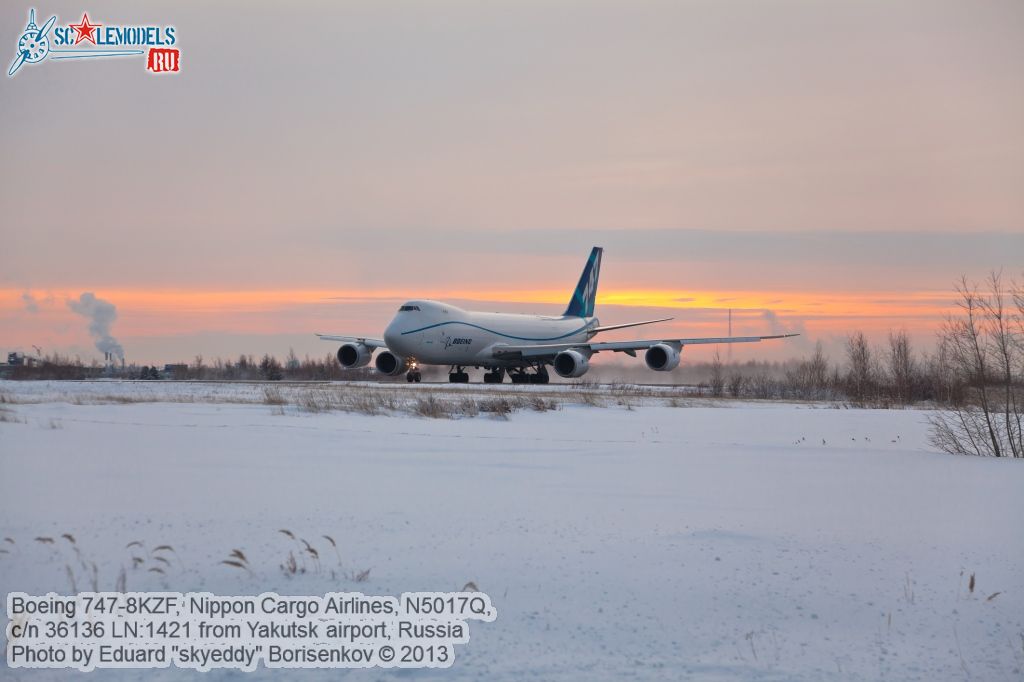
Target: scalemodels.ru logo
<point>97,40</point>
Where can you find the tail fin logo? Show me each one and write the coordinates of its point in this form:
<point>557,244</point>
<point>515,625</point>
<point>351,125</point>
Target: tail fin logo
<point>583,298</point>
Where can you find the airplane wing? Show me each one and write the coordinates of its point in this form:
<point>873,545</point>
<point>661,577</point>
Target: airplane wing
<point>629,347</point>
<point>370,343</point>
<point>610,327</point>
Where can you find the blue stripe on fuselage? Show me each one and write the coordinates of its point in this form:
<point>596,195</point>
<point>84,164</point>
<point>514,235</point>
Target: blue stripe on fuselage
<point>491,331</point>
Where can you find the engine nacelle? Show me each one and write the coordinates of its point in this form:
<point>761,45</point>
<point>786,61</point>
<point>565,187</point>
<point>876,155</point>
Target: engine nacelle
<point>662,357</point>
<point>353,355</point>
<point>570,364</point>
<point>389,363</point>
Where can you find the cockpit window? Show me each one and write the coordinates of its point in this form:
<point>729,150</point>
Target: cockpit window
<point>406,308</point>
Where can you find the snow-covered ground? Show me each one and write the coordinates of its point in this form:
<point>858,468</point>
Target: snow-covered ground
<point>643,538</point>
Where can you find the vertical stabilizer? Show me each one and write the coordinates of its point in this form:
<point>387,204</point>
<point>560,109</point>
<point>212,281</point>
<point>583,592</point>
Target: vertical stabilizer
<point>582,302</point>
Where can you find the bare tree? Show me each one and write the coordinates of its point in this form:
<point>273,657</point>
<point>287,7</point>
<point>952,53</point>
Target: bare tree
<point>717,377</point>
<point>860,377</point>
<point>1003,328</point>
<point>809,379</point>
<point>901,367</point>
<point>198,369</point>
<point>985,344</point>
<point>736,384</point>
<point>817,369</point>
<point>941,381</point>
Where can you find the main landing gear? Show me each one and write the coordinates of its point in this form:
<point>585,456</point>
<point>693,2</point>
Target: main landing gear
<point>458,375</point>
<point>495,376</point>
<point>521,376</point>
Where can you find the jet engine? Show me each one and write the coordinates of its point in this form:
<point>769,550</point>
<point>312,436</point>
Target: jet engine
<point>570,364</point>
<point>389,363</point>
<point>353,355</point>
<point>662,357</point>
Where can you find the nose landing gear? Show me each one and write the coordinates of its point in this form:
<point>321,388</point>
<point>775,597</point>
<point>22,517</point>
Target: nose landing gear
<point>413,374</point>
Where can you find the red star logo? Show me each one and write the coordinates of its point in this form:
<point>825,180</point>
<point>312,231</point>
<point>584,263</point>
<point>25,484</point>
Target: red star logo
<point>85,30</point>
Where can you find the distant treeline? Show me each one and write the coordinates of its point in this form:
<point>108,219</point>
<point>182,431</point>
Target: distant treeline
<point>245,368</point>
<point>893,374</point>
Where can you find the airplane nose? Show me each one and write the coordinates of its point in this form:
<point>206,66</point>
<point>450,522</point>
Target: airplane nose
<point>393,337</point>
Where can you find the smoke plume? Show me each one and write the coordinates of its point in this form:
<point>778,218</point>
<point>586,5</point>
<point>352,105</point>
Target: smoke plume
<point>101,315</point>
<point>792,325</point>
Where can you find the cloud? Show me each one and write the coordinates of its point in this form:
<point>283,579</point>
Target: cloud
<point>31,304</point>
<point>101,315</point>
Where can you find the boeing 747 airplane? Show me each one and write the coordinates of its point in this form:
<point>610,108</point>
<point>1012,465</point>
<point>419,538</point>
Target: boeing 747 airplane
<point>436,333</point>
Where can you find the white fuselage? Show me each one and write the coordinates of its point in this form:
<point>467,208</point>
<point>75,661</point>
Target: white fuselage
<point>436,333</point>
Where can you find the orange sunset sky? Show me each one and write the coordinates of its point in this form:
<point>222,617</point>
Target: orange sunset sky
<point>815,167</point>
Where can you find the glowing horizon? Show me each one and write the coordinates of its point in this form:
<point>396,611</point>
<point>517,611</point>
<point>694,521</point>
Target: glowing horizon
<point>860,304</point>
<point>149,315</point>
